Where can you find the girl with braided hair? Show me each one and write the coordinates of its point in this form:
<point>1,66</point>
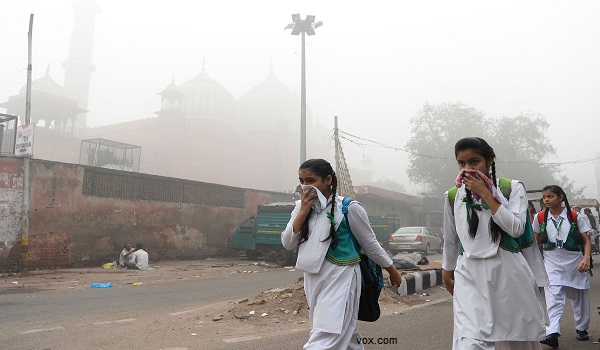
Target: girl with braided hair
<point>495,294</point>
<point>329,257</point>
<point>567,251</point>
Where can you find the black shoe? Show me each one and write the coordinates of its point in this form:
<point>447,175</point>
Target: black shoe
<point>551,340</point>
<point>582,335</point>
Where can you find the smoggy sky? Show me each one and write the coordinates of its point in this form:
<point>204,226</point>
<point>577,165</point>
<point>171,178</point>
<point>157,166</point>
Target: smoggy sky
<point>373,66</point>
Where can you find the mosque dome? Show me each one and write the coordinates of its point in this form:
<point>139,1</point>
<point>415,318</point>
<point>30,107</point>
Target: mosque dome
<point>269,105</point>
<point>46,85</point>
<point>204,97</point>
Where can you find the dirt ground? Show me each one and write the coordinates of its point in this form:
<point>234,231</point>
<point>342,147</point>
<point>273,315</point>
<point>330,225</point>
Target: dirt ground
<point>270,312</point>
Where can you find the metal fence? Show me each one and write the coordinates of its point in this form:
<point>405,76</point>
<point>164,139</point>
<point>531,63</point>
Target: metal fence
<point>8,134</point>
<point>110,154</point>
<point>135,186</point>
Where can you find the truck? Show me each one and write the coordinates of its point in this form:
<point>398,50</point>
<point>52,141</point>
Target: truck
<point>260,235</point>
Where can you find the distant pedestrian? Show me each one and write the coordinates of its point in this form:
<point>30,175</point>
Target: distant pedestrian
<point>531,210</point>
<point>125,255</point>
<point>139,258</point>
<point>594,232</point>
<point>328,254</point>
<point>496,298</point>
<point>567,252</point>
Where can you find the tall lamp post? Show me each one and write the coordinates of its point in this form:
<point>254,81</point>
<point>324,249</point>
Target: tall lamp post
<point>304,26</point>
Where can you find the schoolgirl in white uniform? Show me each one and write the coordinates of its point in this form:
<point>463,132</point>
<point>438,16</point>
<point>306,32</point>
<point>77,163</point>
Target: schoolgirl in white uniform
<point>329,258</point>
<point>567,251</point>
<point>495,295</point>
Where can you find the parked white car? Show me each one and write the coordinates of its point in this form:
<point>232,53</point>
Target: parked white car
<point>416,239</point>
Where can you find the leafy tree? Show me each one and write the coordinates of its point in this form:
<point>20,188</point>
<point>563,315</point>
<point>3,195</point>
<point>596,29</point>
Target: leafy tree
<point>520,144</point>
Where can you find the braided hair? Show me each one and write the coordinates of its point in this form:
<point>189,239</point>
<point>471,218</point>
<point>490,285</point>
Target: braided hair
<point>558,191</point>
<point>480,146</point>
<point>321,168</point>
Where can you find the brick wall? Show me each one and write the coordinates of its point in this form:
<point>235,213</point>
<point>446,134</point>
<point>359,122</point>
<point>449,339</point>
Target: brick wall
<point>11,200</point>
<point>82,216</point>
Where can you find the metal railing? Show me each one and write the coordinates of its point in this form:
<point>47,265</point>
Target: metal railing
<point>8,134</point>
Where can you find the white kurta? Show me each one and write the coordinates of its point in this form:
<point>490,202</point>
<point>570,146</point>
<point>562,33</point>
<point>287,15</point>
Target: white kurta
<point>495,293</point>
<point>562,264</point>
<point>332,291</point>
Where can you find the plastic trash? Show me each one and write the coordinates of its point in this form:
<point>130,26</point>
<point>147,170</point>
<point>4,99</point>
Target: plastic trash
<point>108,266</point>
<point>403,264</point>
<point>101,285</point>
<point>267,265</point>
<point>137,284</point>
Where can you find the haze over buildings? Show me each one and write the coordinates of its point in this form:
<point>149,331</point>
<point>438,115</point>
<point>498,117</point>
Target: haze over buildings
<point>373,66</point>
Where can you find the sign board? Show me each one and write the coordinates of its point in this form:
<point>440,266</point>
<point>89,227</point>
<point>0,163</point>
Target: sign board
<point>24,142</point>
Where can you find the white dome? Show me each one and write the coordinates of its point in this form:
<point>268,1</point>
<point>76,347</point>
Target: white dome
<point>269,105</point>
<point>204,97</point>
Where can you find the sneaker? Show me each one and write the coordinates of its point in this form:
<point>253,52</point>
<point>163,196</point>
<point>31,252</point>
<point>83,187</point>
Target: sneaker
<point>551,340</point>
<point>582,335</point>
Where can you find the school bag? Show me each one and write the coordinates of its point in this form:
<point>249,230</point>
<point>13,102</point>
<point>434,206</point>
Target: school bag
<point>526,240</point>
<point>372,280</point>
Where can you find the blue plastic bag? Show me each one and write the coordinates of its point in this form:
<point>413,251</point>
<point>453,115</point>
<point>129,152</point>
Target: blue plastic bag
<point>101,285</point>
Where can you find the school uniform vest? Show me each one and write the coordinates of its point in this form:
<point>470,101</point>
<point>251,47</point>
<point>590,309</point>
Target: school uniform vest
<point>570,243</point>
<point>347,251</point>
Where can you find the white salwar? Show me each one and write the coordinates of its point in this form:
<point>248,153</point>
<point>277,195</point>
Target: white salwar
<point>565,280</point>
<point>496,297</point>
<point>332,291</point>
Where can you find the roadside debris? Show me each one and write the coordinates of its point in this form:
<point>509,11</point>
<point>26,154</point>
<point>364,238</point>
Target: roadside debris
<point>101,285</point>
<point>267,265</point>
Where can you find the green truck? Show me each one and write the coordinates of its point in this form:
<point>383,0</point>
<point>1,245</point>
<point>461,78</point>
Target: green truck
<point>260,235</point>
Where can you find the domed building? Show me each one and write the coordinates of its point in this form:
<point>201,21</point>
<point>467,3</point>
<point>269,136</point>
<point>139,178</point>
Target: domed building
<point>269,105</point>
<point>50,104</point>
<point>207,102</point>
<point>268,118</point>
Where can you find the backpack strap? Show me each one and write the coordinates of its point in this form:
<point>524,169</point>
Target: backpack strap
<point>574,214</point>
<point>451,196</point>
<point>505,186</point>
<point>540,216</point>
<point>345,203</point>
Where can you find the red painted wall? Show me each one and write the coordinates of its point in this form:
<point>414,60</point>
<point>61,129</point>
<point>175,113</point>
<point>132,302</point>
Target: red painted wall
<point>68,228</point>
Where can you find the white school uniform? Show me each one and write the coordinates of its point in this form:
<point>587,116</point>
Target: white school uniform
<point>565,280</point>
<point>496,298</point>
<point>332,291</point>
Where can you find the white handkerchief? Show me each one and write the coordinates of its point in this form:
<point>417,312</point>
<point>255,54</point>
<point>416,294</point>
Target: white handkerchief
<point>317,205</point>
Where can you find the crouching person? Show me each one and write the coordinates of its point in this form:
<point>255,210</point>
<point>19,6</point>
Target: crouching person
<point>139,259</point>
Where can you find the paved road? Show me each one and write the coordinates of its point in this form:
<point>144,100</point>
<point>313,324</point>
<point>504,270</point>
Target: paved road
<point>44,320</point>
<point>158,318</point>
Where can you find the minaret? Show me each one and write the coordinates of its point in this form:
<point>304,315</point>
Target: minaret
<point>79,66</point>
<point>170,101</point>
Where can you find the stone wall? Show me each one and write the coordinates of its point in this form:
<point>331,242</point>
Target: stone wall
<point>83,215</point>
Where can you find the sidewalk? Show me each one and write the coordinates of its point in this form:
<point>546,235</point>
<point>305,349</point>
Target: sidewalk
<point>172,271</point>
<point>160,272</point>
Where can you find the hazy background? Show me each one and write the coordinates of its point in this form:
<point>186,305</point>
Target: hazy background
<point>373,66</point>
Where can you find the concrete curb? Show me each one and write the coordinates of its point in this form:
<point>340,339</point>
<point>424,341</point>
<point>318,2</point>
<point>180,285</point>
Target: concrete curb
<point>420,280</point>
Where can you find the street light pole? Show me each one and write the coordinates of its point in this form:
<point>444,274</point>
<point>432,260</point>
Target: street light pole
<point>306,26</point>
<point>303,105</point>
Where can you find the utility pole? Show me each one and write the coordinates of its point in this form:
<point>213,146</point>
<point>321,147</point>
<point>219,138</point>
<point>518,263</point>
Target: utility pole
<point>25,212</point>
<point>345,187</point>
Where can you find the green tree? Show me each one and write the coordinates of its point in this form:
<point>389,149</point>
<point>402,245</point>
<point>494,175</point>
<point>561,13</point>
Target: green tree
<point>520,144</point>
